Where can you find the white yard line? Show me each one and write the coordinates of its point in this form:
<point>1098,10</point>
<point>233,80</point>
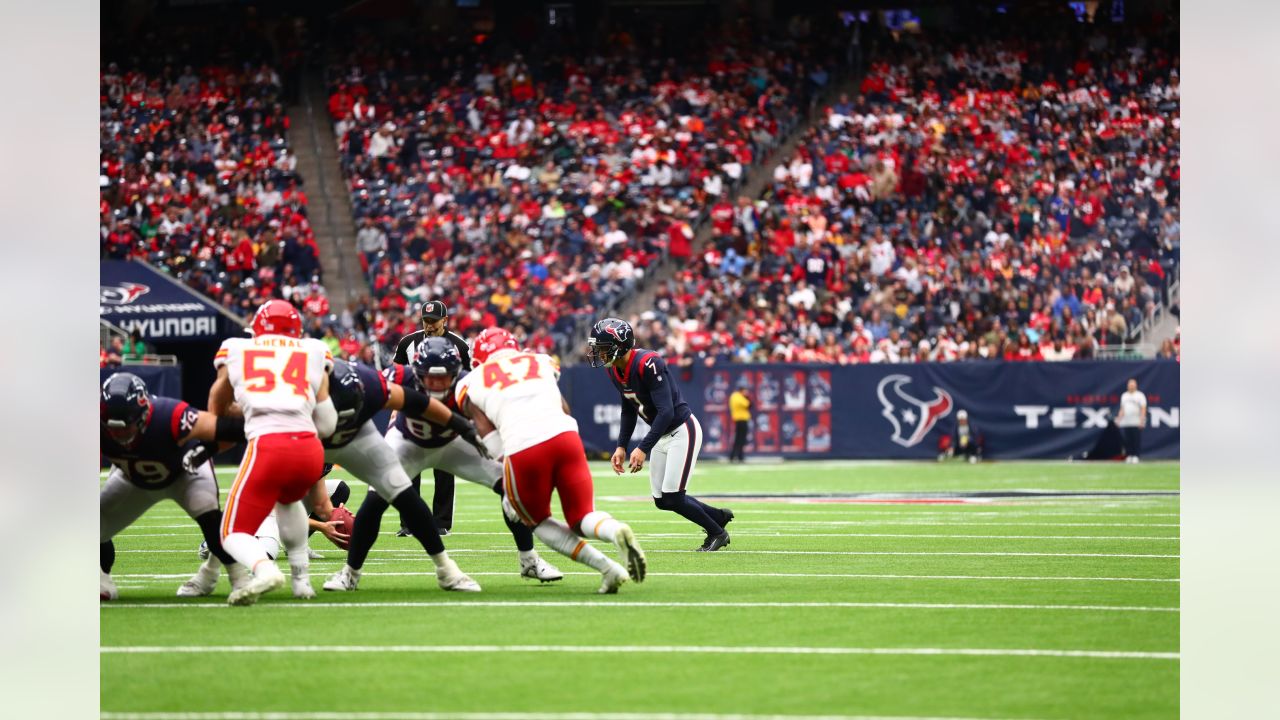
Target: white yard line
<point>338,650</point>
<point>504,551</point>
<point>195,533</point>
<point>411,715</point>
<point>446,605</point>
<point>774,522</point>
<point>864,576</point>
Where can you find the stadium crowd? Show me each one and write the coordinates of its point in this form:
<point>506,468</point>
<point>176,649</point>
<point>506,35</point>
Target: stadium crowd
<point>197,178</point>
<point>1014,200</point>
<point>532,193</point>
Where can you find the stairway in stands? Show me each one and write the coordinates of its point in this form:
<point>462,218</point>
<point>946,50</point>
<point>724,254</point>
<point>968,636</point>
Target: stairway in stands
<point>329,205</point>
<point>758,178</point>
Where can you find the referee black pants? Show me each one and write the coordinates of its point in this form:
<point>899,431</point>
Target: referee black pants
<point>739,440</point>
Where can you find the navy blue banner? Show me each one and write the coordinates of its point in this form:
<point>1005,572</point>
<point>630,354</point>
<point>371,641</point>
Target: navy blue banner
<point>135,296</point>
<point>1022,410</point>
<point>162,380</point>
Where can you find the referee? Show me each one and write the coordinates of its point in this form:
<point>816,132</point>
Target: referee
<point>435,316</point>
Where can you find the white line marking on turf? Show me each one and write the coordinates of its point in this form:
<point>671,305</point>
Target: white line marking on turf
<point>410,715</point>
<point>869,576</point>
<point>622,649</point>
<point>652,604</point>
<point>195,532</point>
<point>491,551</point>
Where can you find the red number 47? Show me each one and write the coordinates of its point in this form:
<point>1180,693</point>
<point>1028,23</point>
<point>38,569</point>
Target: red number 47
<point>495,376</point>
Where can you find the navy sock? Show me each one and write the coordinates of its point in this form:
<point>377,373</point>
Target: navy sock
<point>209,527</point>
<point>416,516</point>
<point>365,532</point>
<point>691,510</point>
<point>416,483</point>
<point>106,556</point>
<point>714,512</point>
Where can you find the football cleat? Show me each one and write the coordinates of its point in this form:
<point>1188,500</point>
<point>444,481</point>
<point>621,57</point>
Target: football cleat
<point>302,588</point>
<point>728,517</point>
<point>613,579</point>
<point>714,542</point>
<point>259,585</point>
<point>540,570</point>
<point>625,539</point>
<point>200,584</point>
<point>107,587</point>
<point>345,580</point>
<point>404,532</point>
<point>453,579</point>
<point>313,555</point>
<point>203,551</point>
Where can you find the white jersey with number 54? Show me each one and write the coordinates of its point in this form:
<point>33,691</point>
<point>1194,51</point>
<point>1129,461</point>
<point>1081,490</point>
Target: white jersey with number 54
<point>275,378</point>
<point>520,394</point>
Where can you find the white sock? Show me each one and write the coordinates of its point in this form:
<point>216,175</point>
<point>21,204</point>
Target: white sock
<point>442,560</point>
<point>211,567</point>
<point>600,525</point>
<point>246,549</point>
<point>292,519</point>
<point>528,556</point>
<point>560,538</point>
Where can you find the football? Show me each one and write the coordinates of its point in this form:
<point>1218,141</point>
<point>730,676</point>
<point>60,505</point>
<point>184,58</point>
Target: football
<point>346,523</point>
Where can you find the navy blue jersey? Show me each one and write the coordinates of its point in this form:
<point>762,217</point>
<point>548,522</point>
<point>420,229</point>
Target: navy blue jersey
<point>648,388</point>
<point>375,398</point>
<point>155,460</point>
<point>420,432</point>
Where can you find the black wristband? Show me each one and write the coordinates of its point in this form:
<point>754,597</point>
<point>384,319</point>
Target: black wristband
<point>229,429</point>
<point>460,425</point>
<point>415,403</point>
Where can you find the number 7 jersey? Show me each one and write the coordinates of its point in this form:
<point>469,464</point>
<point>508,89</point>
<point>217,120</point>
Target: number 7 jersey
<point>520,394</point>
<point>275,378</point>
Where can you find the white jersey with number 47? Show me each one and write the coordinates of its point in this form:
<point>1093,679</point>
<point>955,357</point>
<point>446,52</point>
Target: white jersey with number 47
<point>275,378</point>
<point>519,393</point>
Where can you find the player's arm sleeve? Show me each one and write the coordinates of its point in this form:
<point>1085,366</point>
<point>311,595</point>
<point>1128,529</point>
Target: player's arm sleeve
<point>628,427</point>
<point>220,357</point>
<point>325,415</point>
<point>664,410</point>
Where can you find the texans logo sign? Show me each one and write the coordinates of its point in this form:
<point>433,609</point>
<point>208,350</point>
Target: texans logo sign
<point>911,418</point>
<point>121,294</point>
<point>614,331</point>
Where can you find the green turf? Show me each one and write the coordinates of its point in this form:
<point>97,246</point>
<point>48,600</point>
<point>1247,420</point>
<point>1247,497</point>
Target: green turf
<point>1063,574</point>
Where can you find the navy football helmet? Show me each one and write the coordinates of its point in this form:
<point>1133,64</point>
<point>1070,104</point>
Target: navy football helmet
<point>611,338</point>
<point>347,390</point>
<point>125,408</point>
<point>436,366</point>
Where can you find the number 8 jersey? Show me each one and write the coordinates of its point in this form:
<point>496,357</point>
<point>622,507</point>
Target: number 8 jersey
<point>519,392</point>
<point>275,378</point>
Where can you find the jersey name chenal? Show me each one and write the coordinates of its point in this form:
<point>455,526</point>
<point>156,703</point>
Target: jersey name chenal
<point>275,378</point>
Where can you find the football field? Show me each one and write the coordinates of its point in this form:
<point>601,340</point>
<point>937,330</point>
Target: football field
<point>1001,590</point>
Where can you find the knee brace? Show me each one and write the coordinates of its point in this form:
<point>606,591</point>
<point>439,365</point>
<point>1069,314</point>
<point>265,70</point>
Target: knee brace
<point>669,501</point>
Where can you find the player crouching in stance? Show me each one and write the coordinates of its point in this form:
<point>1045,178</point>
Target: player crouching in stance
<point>675,436</point>
<point>515,401</point>
<point>153,444</point>
<point>358,393</point>
<point>280,381</point>
<point>435,438</point>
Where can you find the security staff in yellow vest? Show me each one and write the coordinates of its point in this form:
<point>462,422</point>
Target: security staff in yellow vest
<point>740,412</point>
